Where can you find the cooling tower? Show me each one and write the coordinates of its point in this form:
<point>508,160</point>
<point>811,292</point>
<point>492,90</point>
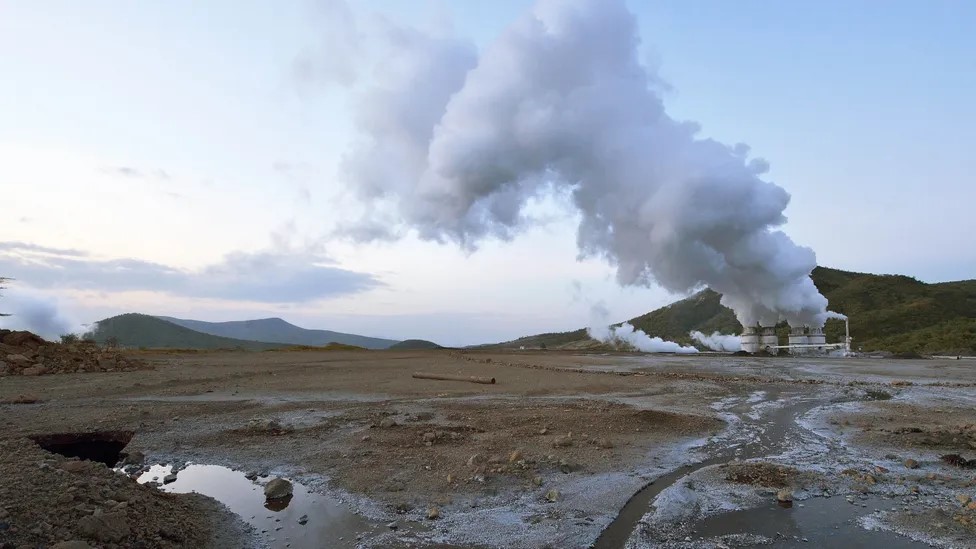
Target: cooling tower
<point>798,336</point>
<point>769,341</point>
<point>816,337</point>
<point>750,339</point>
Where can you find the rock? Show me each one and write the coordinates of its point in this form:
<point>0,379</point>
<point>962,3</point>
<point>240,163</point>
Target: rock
<point>134,458</point>
<point>18,360</point>
<point>430,436</point>
<point>433,513</point>
<point>543,431</point>
<point>251,475</point>
<point>392,525</point>
<point>450,478</point>
<point>552,495</point>
<point>604,443</point>
<point>73,544</point>
<point>785,495</point>
<point>911,463</point>
<point>388,422</point>
<point>537,480</point>
<point>971,506</point>
<point>277,488</point>
<point>476,460</point>
<point>514,456</point>
<point>263,424</point>
<point>107,527</point>
<point>34,371</point>
<point>366,438</point>
<point>563,441</point>
<point>170,478</point>
<point>963,499</point>
<point>303,520</point>
<point>74,466</point>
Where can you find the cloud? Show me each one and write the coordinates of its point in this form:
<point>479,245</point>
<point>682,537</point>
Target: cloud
<point>278,275</point>
<point>136,173</point>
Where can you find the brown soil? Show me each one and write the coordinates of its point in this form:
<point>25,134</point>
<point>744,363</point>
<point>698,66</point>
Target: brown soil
<point>761,474</point>
<point>950,429</point>
<point>46,499</point>
<point>26,354</point>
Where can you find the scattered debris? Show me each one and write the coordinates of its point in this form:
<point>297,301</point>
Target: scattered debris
<point>27,354</point>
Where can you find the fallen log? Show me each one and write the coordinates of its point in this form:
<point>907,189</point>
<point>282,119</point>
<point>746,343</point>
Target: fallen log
<point>451,377</point>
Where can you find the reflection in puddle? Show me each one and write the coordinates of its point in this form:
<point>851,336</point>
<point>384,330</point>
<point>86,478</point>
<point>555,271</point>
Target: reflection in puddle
<point>304,520</point>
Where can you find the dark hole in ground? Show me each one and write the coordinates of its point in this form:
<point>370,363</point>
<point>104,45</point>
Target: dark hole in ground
<point>101,446</point>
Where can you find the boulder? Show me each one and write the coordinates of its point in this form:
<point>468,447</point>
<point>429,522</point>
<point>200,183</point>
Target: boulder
<point>277,488</point>
<point>18,360</point>
<point>563,441</point>
<point>34,371</point>
<point>433,513</point>
<point>784,496</point>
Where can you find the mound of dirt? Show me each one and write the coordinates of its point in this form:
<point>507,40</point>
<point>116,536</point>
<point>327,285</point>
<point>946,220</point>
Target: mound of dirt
<point>46,499</point>
<point>27,354</point>
<point>761,474</point>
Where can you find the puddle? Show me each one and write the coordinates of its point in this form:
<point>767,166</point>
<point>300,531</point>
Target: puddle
<point>101,446</point>
<point>327,522</point>
<point>816,522</point>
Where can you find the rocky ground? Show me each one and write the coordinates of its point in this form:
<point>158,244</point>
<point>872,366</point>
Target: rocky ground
<point>547,455</point>
<point>23,353</point>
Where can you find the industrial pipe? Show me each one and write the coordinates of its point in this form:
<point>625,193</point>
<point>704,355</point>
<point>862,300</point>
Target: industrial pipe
<point>451,377</point>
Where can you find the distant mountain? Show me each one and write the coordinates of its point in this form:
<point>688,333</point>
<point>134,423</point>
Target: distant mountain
<point>414,345</point>
<point>144,331</point>
<point>887,312</point>
<point>276,330</point>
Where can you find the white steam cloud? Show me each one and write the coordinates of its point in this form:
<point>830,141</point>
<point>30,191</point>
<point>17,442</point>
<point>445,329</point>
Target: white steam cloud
<point>627,335</point>
<point>36,312</point>
<point>718,342</point>
<point>457,142</point>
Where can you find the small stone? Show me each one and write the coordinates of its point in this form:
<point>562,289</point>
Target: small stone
<point>73,544</point>
<point>34,371</point>
<point>277,488</point>
<point>450,478</point>
<point>430,436</point>
<point>604,443</point>
<point>135,458</point>
<point>388,422</point>
<point>971,506</point>
<point>963,499</point>
<point>392,525</point>
<point>303,520</point>
<point>169,478</point>
<point>433,513</point>
<point>475,460</point>
<point>563,441</point>
<point>74,466</point>
<point>514,456</point>
<point>543,431</point>
<point>366,438</point>
<point>552,495</point>
<point>537,480</point>
<point>107,527</point>
<point>911,463</point>
<point>785,495</point>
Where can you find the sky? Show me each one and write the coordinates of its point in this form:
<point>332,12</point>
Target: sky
<point>184,159</point>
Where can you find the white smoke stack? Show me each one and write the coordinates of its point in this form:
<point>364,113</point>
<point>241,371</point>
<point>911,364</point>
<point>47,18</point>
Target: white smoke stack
<point>457,143</point>
<point>631,337</point>
<point>718,342</point>
<point>38,313</point>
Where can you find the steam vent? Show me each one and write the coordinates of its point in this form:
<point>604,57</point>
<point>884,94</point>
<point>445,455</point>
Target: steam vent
<point>803,340</point>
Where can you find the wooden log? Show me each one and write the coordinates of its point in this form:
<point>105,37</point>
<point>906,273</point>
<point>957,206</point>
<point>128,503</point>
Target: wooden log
<point>452,377</point>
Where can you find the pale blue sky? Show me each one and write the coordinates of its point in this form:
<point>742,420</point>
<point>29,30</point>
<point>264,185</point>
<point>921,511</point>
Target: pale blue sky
<point>864,111</point>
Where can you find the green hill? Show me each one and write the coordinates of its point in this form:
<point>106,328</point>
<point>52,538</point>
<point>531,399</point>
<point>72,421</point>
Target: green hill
<point>144,331</point>
<point>887,312</point>
<point>276,330</point>
<point>414,345</point>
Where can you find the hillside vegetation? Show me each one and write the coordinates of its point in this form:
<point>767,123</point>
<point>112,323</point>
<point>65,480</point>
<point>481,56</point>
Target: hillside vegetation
<point>414,345</point>
<point>276,330</point>
<point>887,312</point>
<point>144,331</point>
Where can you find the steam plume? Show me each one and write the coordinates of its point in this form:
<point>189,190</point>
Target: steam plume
<point>638,339</point>
<point>457,142</point>
<point>718,342</point>
<point>38,313</point>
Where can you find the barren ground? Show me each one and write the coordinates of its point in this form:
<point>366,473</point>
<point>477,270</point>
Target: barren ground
<point>547,456</point>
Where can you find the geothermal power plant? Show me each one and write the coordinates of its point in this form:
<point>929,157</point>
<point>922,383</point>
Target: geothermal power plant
<point>803,340</point>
